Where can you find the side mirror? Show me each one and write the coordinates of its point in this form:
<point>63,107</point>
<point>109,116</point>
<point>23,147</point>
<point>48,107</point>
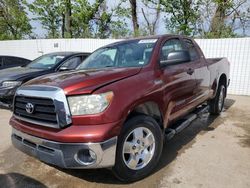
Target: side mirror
<point>176,57</point>
<point>62,68</point>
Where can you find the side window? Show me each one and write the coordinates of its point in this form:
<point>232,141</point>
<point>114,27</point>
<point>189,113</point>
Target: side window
<point>21,61</point>
<point>171,45</point>
<point>111,54</point>
<point>72,63</point>
<point>84,57</point>
<point>9,61</point>
<point>192,50</point>
<point>106,58</point>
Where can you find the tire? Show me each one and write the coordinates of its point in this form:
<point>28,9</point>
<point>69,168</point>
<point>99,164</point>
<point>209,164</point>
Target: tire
<point>216,104</point>
<point>136,160</point>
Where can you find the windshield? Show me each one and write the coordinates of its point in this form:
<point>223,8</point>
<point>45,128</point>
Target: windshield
<point>46,61</point>
<point>134,53</point>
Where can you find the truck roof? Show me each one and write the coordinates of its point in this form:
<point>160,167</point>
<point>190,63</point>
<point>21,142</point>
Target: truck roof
<point>145,37</point>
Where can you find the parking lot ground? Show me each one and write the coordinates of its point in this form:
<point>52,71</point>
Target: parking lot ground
<point>212,152</point>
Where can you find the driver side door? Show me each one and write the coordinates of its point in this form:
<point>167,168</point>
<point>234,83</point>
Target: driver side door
<point>179,82</point>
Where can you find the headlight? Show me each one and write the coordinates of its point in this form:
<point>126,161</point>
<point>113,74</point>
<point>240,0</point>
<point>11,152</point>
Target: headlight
<point>89,104</point>
<point>11,83</point>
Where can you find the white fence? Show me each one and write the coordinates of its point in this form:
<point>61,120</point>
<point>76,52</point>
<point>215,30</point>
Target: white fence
<point>237,51</point>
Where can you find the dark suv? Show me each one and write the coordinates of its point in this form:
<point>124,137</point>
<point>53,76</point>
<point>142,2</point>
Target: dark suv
<point>12,78</point>
<point>12,61</point>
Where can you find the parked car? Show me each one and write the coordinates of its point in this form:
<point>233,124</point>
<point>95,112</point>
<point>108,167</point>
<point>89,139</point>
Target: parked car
<point>117,108</point>
<point>12,78</point>
<point>12,61</point>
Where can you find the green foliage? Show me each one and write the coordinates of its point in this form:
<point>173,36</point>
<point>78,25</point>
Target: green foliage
<point>14,23</point>
<point>103,25</point>
<point>222,32</point>
<point>218,27</point>
<point>120,29</point>
<point>83,17</point>
<point>48,12</point>
<point>182,15</point>
<point>119,26</point>
<point>94,18</point>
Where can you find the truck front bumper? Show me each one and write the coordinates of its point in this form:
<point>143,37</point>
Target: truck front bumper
<point>67,155</point>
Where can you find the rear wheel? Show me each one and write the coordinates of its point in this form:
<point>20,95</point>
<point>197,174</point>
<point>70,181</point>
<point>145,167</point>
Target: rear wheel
<point>216,105</point>
<point>139,148</point>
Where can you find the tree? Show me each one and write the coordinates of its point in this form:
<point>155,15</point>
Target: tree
<point>83,17</point>
<point>48,13</point>
<point>151,23</point>
<point>218,27</point>
<point>121,15</point>
<point>181,15</point>
<point>223,18</point>
<point>133,5</point>
<point>14,22</point>
<point>67,29</point>
<point>102,22</point>
<point>244,18</point>
<point>239,15</point>
<point>111,21</point>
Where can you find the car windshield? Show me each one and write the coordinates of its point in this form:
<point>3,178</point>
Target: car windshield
<point>134,53</point>
<point>46,61</point>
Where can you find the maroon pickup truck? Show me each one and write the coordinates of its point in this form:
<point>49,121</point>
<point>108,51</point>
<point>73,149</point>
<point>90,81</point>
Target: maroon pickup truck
<point>117,108</point>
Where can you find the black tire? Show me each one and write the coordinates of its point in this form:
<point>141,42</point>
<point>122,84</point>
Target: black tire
<point>121,169</point>
<point>216,104</point>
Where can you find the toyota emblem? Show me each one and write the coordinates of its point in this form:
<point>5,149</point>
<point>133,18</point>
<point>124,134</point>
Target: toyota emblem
<point>29,108</point>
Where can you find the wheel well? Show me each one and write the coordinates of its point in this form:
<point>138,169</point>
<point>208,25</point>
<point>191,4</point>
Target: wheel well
<point>223,80</point>
<point>148,108</point>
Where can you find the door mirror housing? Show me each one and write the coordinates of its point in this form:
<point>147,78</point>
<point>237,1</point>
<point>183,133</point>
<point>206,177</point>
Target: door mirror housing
<point>176,57</point>
<point>62,68</point>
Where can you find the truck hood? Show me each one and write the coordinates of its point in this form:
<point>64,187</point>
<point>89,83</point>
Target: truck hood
<point>84,81</point>
<point>17,73</point>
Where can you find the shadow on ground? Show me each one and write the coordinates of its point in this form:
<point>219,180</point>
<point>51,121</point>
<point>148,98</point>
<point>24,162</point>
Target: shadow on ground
<point>170,151</point>
<point>17,180</point>
<point>185,139</point>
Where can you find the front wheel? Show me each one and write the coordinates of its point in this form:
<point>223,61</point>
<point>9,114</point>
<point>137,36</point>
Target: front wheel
<point>216,104</point>
<point>139,148</point>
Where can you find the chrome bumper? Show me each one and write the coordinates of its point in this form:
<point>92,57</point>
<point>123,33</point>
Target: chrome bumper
<point>64,154</point>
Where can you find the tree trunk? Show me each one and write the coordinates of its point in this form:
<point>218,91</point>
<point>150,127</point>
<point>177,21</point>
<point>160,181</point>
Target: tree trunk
<point>219,17</point>
<point>63,25</point>
<point>133,6</point>
<point>68,24</point>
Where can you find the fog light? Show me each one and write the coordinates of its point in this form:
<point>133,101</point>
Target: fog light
<point>85,157</point>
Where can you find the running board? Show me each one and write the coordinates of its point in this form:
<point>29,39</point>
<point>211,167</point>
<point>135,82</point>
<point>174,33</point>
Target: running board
<point>185,122</point>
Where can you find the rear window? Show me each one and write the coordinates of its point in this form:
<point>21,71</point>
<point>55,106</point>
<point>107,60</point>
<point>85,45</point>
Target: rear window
<point>192,50</point>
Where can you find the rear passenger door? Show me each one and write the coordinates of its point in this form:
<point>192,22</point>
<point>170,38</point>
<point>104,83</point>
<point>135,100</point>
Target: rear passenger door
<point>179,83</point>
<point>201,72</point>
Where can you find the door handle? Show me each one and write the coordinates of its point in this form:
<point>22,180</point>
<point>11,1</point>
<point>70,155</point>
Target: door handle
<point>190,71</point>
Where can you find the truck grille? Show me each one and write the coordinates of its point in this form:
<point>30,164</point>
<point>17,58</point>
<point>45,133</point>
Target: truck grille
<point>43,111</point>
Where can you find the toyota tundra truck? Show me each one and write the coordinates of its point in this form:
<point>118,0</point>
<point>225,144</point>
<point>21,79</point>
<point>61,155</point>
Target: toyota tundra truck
<point>120,104</point>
